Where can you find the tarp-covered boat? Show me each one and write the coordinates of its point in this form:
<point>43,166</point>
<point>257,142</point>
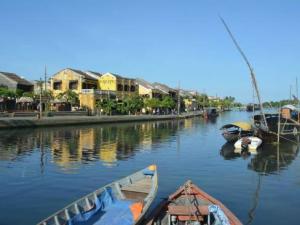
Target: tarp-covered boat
<point>122,202</point>
<point>190,205</point>
<point>233,131</point>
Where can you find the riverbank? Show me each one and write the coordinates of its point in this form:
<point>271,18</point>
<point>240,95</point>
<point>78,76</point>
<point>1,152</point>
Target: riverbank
<point>7,123</point>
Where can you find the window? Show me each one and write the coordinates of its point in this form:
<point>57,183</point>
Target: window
<point>57,85</point>
<point>120,87</point>
<point>126,87</point>
<point>73,85</point>
<point>132,88</point>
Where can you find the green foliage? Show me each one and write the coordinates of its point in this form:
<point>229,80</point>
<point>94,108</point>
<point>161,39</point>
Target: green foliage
<point>168,103</point>
<point>202,100</point>
<point>277,104</point>
<point>70,96</point>
<point>5,92</point>
<point>131,104</point>
<point>28,94</point>
<point>152,103</point>
<point>227,102</point>
<point>19,93</point>
<point>107,105</point>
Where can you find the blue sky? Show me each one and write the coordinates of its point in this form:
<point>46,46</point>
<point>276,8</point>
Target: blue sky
<point>165,41</point>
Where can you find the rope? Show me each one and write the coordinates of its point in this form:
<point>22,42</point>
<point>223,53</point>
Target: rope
<point>190,203</point>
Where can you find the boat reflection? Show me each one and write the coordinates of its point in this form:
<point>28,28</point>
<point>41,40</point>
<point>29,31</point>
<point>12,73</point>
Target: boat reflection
<point>267,159</point>
<point>70,146</point>
<point>273,159</point>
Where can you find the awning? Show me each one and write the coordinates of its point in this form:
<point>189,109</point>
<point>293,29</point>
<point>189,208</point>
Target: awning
<point>243,125</point>
<point>291,107</point>
<point>24,100</point>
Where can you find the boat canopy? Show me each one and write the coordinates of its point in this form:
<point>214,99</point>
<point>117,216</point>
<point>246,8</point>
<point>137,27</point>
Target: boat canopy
<point>290,107</point>
<point>243,125</point>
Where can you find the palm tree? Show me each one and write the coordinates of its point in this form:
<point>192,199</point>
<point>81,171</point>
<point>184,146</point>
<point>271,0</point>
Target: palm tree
<point>70,96</point>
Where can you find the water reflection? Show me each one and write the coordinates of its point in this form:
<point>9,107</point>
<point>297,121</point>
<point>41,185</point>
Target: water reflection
<point>268,159</point>
<point>68,147</point>
<point>273,159</point>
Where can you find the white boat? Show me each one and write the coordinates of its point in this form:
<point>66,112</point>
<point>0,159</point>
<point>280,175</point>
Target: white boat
<point>249,143</point>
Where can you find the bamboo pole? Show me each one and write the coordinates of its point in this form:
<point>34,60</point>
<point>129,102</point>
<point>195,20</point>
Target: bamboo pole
<point>254,82</point>
<point>278,126</point>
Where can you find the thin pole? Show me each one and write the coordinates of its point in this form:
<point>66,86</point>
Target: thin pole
<point>46,95</point>
<point>178,99</point>
<point>278,128</point>
<point>251,71</point>
<point>41,107</point>
<point>45,78</point>
<point>290,92</point>
<point>297,93</point>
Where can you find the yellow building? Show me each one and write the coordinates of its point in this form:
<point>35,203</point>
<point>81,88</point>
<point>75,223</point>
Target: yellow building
<point>147,90</point>
<point>121,86</point>
<point>71,79</point>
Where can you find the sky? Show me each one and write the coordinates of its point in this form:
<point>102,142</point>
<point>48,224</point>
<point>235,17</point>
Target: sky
<point>165,41</point>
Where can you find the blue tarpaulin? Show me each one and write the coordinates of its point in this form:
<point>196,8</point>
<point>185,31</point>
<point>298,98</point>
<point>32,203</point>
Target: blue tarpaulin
<point>107,210</point>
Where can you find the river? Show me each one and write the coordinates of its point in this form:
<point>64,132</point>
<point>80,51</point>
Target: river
<point>44,169</point>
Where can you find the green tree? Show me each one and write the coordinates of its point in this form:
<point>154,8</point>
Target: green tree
<point>202,100</point>
<point>107,105</point>
<point>70,96</point>
<point>5,92</point>
<point>134,103</point>
<point>167,103</point>
<point>152,103</point>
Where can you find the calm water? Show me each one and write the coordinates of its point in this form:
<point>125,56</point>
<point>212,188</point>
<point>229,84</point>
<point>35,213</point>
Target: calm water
<point>42,170</point>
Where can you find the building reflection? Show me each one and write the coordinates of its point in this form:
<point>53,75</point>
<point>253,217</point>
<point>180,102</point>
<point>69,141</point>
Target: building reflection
<point>70,146</point>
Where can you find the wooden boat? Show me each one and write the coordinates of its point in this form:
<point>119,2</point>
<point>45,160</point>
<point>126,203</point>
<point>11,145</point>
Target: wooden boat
<point>252,107</point>
<point>190,205</point>
<point>234,131</point>
<point>122,202</point>
<point>210,113</point>
<point>288,119</point>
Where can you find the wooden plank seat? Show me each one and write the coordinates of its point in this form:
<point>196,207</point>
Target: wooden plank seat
<point>142,186</point>
<point>188,212</point>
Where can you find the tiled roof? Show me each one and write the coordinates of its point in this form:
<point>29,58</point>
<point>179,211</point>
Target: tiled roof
<point>96,73</point>
<point>83,74</point>
<point>16,78</point>
<point>163,87</point>
<point>144,83</point>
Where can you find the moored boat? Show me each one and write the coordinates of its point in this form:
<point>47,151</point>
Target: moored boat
<point>122,202</point>
<point>233,131</point>
<point>190,205</point>
<point>210,113</point>
<point>248,143</point>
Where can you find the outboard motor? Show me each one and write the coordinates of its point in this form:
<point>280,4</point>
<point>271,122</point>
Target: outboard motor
<point>245,143</point>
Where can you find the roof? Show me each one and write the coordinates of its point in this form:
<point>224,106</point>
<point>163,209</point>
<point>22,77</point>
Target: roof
<point>24,100</point>
<point>16,78</point>
<point>243,125</point>
<point>290,107</point>
<point>144,83</point>
<point>185,93</point>
<point>84,74</point>
<point>162,87</point>
<point>94,74</point>
<point>119,76</point>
